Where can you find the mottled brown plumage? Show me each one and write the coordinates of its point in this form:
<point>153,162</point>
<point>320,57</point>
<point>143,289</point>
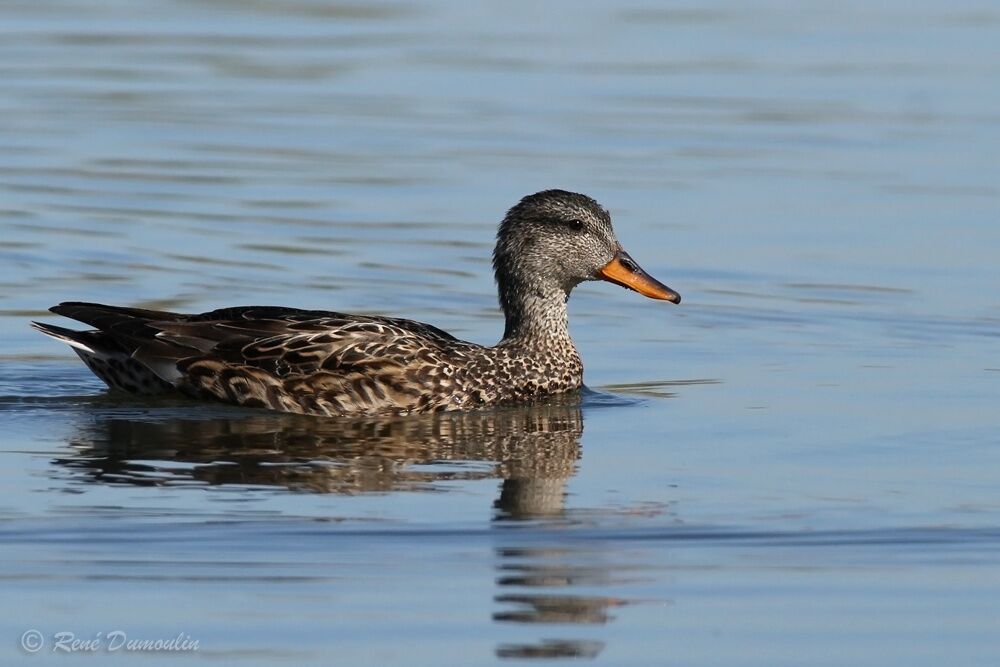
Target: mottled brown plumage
<point>328,363</point>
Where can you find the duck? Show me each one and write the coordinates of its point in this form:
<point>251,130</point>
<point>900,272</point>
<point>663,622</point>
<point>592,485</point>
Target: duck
<point>332,364</point>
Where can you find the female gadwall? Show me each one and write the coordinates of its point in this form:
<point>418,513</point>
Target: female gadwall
<point>327,363</point>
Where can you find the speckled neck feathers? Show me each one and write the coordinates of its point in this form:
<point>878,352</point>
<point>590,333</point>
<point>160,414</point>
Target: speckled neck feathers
<point>533,311</point>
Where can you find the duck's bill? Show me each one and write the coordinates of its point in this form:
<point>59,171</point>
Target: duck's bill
<point>622,270</point>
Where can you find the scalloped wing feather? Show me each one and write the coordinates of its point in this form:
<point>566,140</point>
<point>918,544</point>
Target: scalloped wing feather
<point>330,366</point>
<point>330,374</point>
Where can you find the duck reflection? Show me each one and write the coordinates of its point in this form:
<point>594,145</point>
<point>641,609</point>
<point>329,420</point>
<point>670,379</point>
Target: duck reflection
<point>535,448</point>
<point>532,449</point>
<point>541,583</point>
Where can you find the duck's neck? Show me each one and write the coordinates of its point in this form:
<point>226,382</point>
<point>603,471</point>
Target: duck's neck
<point>536,316</point>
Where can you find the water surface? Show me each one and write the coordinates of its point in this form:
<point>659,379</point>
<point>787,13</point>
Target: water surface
<point>798,465</point>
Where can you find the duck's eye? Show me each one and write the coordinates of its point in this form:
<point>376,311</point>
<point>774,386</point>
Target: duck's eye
<point>575,225</point>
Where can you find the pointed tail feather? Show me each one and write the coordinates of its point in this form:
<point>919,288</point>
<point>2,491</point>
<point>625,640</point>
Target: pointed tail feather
<point>87,341</point>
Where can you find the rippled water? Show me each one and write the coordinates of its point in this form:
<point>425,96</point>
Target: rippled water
<point>798,465</point>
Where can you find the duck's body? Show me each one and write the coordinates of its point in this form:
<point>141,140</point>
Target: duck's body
<point>327,363</point>
<point>311,362</point>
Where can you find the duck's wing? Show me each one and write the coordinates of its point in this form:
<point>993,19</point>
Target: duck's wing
<point>331,343</point>
<point>283,358</point>
<point>333,366</point>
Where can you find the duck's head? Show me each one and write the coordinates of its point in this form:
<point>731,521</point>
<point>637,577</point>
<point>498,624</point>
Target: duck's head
<point>555,240</point>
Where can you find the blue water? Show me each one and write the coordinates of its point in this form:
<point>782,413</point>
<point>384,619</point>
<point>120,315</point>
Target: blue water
<point>800,464</point>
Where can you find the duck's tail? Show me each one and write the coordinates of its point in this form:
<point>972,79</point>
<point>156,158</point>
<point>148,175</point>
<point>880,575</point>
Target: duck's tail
<point>103,351</point>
